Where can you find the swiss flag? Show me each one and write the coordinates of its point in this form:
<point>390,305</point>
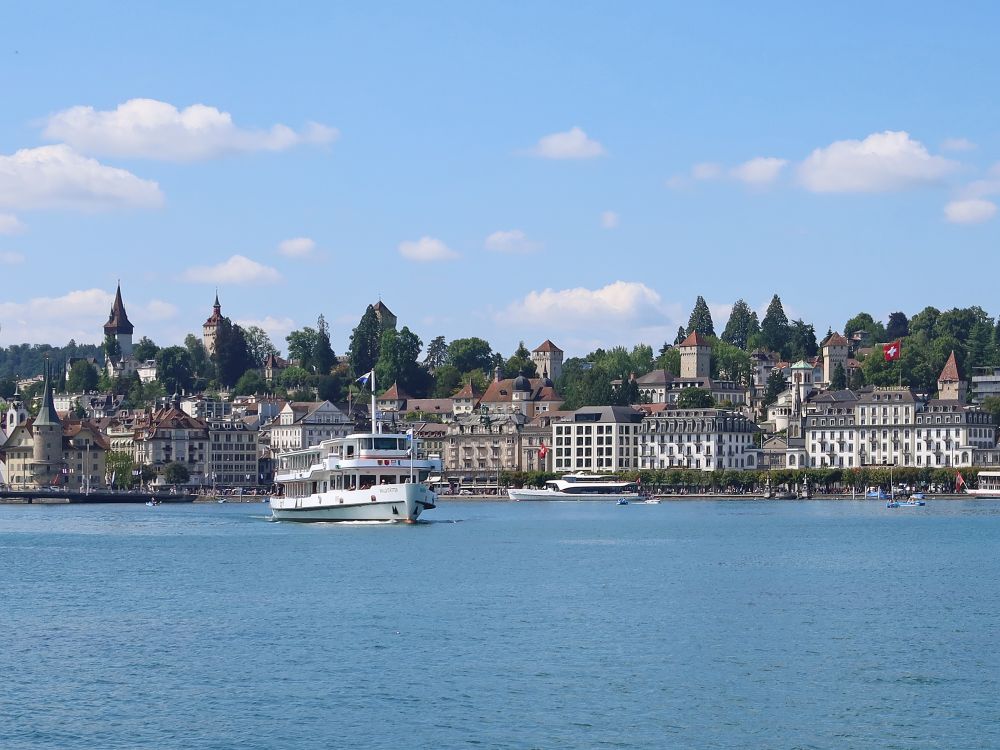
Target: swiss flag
<point>543,451</point>
<point>891,351</point>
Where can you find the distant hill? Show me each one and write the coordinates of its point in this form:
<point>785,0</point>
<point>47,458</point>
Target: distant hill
<point>26,360</point>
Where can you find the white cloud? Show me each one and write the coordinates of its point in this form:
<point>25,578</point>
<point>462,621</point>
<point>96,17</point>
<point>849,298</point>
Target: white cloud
<point>157,309</point>
<point>277,328</point>
<point>511,241</point>
<point>238,269</point>
<point>58,177</point>
<point>970,211</point>
<point>760,171</point>
<point>297,247</point>
<point>619,303</point>
<point>8,258</point>
<point>609,219</point>
<point>706,170</point>
<point>957,144</point>
<point>10,224</point>
<point>151,129</point>
<point>426,249</point>
<point>881,162</point>
<point>573,144</point>
<point>78,315</point>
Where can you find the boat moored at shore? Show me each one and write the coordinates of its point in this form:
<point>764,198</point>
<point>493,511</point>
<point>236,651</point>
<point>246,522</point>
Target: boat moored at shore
<point>580,486</point>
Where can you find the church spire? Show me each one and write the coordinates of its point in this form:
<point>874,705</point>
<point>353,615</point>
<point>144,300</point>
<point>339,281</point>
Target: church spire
<point>118,321</point>
<point>47,415</point>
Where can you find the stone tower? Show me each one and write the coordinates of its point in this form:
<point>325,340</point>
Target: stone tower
<point>951,387</point>
<point>834,351</point>
<point>119,326</point>
<point>385,317</point>
<point>46,459</point>
<point>696,357</point>
<point>548,359</point>
<point>210,331</point>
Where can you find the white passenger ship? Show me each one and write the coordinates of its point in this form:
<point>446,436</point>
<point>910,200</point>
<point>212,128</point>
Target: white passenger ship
<point>580,486</point>
<point>367,476</point>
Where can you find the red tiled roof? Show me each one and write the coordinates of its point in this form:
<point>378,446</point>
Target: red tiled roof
<point>500,391</point>
<point>950,372</point>
<point>395,393</point>
<point>835,339</point>
<point>468,391</point>
<point>547,346</point>
<point>694,339</point>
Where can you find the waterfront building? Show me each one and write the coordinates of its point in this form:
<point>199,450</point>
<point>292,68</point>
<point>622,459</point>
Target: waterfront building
<point>479,446</point>
<point>46,451</point>
<point>597,438</point>
<point>171,435</point>
<point>703,439</point>
<point>233,453</point>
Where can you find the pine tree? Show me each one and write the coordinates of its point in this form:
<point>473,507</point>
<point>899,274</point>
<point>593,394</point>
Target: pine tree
<point>741,326</point>
<point>323,358</point>
<point>838,380</point>
<point>364,350</point>
<point>775,331</point>
<point>681,335</point>
<point>701,318</point>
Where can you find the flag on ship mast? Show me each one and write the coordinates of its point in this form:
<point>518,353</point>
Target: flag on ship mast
<point>366,377</point>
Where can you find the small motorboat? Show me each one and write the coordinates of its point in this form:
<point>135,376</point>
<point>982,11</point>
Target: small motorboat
<point>622,501</point>
<point>651,501</point>
<point>152,502</point>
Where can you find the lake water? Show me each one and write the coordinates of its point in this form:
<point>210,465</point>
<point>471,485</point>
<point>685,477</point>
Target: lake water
<point>827,624</point>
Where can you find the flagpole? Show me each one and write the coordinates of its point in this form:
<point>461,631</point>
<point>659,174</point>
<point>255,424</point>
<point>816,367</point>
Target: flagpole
<point>375,426</point>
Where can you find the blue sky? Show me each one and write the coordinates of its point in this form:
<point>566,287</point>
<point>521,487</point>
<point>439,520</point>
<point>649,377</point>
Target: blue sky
<point>573,171</point>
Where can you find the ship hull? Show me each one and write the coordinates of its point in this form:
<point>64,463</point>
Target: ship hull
<point>525,495</point>
<point>398,502</point>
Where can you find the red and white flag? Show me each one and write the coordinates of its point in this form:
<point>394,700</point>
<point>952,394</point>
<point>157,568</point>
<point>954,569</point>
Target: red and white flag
<point>959,482</point>
<point>543,451</point>
<point>891,351</point>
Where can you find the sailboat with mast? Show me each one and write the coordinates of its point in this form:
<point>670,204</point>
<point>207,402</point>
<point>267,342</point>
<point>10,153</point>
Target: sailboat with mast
<point>365,476</point>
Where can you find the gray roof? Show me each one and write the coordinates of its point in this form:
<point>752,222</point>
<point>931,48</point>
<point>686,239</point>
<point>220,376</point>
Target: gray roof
<point>623,414</point>
<point>47,413</point>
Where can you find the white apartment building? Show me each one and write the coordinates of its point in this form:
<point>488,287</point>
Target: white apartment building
<point>301,424</point>
<point>597,438</point>
<point>705,439</point>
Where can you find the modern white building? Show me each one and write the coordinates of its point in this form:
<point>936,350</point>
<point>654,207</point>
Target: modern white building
<point>597,438</point>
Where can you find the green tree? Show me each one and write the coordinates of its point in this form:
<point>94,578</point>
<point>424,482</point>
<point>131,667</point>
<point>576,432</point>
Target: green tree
<point>251,382</point>
<point>924,322</point>
<point>701,318</point>
<point>119,466</point>
<point>520,363</point>
<point>741,326</point>
<point>259,345</point>
<point>897,327</point>
<point>323,358</point>
<point>777,383</point>
<point>957,323</point>
<point>232,357</point>
<point>774,329</point>
<point>173,369</point>
<point>437,353</point>
<point>176,473</point>
<point>670,361</point>
<point>82,378</point>
<point>145,350</point>
<point>801,341</point>
<point>201,365</point>
<point>330,388</point>
<point>730,362</point>
<point>112,349</point>
<point>397,362</point>
<point>295,377</point>
<point>838,379</point>
<point>695,398</point>
<point>864,322</point>
<point>470,354</point>
<point>681,335</point>
<point>447,381</point>
<point>364,348</point>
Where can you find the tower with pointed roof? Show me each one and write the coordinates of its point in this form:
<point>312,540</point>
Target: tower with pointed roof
<point>385,317</point>
<point>951,387</point>
<point>210,331</point>
<point>119,326</point>
<point>548,359</point>
<point>46,463</point>
<point>696,356</point>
